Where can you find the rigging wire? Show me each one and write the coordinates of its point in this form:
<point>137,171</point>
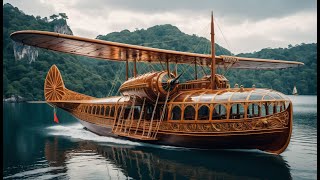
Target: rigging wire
<point>208,47</point>
<point>193,50</point>
<point>223,35</point>
<point>187,67</point>
<point>114,82</point>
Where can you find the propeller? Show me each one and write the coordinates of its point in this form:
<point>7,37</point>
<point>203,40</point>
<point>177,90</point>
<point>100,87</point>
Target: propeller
<point>169,84</point>
<point>175,80</point>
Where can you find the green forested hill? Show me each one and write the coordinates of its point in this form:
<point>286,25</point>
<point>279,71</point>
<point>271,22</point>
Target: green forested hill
<point>304,77</point>
<point>165,37</point>
<point>20,77</point>
<point>101,78</point>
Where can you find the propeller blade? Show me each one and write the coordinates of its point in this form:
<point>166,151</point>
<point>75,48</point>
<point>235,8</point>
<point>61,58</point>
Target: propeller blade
<point>173,81</point>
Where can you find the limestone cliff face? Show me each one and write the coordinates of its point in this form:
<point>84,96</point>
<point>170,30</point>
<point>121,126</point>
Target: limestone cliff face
<point>62,28</point>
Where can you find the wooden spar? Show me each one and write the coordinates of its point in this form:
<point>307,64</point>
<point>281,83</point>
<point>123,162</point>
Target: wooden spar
<point>168,67</point>
<point>135,67</point>
<point>176,69</point>
<point>127,65</point>
<point>195,70</point>
<point>213,60</point>
<point>127,70</point>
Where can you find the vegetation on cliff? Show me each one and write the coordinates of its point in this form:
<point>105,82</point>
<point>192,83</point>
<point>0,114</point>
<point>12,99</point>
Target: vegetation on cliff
<point>101,78</point>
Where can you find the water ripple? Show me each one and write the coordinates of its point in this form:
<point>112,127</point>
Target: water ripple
<point>76,131</point>
<point>33,173</point>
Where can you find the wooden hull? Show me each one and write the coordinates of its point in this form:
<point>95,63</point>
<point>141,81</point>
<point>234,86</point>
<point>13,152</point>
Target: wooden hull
<point>269,140</point>
<point>100,130</point>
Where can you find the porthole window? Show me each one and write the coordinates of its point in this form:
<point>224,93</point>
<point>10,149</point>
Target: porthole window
<point>102,111</point>
<point>203,113</point>
<point>189,113</point>
<point>107,110</point>
<point>112,111</point>
<point>98,110</point>
<point>176,113</point>
<point>236,111</point>
<point>253,110</point>
<point>219,112</point>
<point>94,110</point>
<point>90,109</point>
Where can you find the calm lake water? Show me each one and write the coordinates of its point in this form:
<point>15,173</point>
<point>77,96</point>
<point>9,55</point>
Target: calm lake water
<point>37,148</point>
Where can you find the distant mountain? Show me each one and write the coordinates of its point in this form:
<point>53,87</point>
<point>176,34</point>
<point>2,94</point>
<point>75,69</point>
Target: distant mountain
<point>304,77</point>
<point>165,37</point>
<point>101,78</point>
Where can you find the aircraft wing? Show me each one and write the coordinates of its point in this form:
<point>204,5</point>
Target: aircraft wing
<point>114,51</point>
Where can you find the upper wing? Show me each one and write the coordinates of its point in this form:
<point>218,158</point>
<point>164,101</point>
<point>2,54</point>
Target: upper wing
<point>121,52</point>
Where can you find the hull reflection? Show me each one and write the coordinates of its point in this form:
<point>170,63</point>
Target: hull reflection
<point>153,163</point>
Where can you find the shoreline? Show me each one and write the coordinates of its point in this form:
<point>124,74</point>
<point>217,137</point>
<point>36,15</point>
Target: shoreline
<point>35,101</point>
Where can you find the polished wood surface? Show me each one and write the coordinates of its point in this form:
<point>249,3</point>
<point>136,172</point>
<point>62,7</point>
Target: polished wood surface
<point>107,50</point>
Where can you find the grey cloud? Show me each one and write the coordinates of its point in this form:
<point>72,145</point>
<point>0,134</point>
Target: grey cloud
<point>230,9</point>
<point>28,7</point>
<point>90,18</point>
<point>248,9</point>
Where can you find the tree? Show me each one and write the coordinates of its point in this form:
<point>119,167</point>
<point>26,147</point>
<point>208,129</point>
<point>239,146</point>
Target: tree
<point>54,17</point>
<point>63,16</point>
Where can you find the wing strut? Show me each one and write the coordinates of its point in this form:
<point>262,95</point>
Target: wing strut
<point>127,65</point>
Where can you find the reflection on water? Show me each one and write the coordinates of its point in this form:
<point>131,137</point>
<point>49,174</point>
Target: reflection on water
<point>87,160</point>
<point>37,148</point>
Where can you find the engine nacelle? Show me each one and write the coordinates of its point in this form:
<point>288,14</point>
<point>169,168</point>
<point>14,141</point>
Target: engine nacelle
<point>149,85</point>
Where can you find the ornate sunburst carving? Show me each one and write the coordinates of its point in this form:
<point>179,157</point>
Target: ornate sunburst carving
<point>54,88</point>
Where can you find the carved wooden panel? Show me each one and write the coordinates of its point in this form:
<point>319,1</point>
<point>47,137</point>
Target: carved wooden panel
<point>279,120</point>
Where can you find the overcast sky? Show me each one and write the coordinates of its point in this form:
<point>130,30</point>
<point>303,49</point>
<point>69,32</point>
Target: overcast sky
<point>247,25</point>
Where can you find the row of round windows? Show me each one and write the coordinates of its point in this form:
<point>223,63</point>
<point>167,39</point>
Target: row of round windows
<point>98,110</point>
<point>219,111</point>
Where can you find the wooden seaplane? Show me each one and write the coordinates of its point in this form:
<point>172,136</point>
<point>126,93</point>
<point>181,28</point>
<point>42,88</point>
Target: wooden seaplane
<point>155,108</point>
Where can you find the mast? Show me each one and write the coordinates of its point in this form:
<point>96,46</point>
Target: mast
<point>213,61</point>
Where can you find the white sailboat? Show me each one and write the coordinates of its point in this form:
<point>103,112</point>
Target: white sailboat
<point>294,91</point>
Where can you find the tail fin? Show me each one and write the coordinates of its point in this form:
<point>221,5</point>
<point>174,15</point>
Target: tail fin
<point>54,89</point>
